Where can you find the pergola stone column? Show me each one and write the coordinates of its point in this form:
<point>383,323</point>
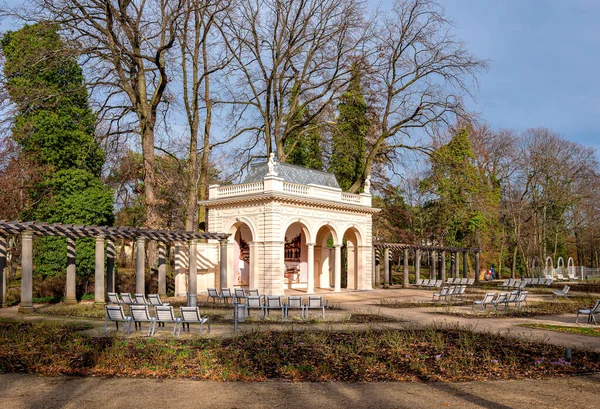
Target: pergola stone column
<point>337,273</point>
<point>310,279</point>
<point>180,289</point>
<point>405,284</point>
<point>111,281</point>
<point>432,270</point>
<point>465,264</point>
<point>417,264</point>
<point>26,272</point>
<point>374,269</point>
<point>223,264</point>
<point>3,280</point>
<point>193,274</point>
<point>456,264</point>
<point>99,291</point>
<point>71,284</point>
<point>386,268</point>
<point>477,267</point>
<point>162,269</point>
<point>443,267</point>
<point>140,266</point>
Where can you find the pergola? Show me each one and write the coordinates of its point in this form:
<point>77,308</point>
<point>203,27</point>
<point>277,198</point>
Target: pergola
<point>101,234</point>
<point>434,251</point>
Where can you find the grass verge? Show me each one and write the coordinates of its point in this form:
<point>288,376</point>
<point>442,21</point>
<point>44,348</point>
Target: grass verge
<point>537,308</point>
<point>391,303</point>
<point>219,314</point>
<point>594,332</point>
<point>431,354</point>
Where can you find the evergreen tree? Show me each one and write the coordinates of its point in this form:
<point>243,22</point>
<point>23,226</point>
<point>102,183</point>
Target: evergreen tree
<point>304,142</point>
<point>348,141</point>
<point>54,127</point>
<point>464,204</point>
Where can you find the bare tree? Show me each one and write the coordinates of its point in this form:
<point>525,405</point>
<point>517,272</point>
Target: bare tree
<point>418,75</point>
<point>544,195</point>
<point>291,57</point>
<point>125,45</point>
<point>201,57</point>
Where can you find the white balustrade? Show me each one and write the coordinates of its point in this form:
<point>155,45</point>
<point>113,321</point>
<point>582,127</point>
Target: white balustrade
<point>350,197</point>
<point>234,190</point>
<point>295,189</point>
<point>316,191</point>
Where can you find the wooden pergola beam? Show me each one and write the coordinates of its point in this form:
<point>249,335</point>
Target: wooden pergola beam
<point>401,246</point>
<point>79,231</point>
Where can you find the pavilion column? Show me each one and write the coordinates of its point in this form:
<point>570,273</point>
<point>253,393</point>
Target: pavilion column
<point>477,267</point>
<point>26,272</point>
<point>443,267</point>
<point>310,279</point>
<point>324,281</point>
<point>3,281</point>
<point>406,283</point>
<point>193,273</point>
<point>465,265</point>
<point>111,282</point>
<point>162,269</point>
<point>386,268</point>
<point>99,291</point>
<point>337,274</point>
<point>223,264</point>
<point>432,269</point>
<point>417,264</point>
<point>364,282</point>
<point>253,271</point>
<point>71,287</point>
<point>140,266</point>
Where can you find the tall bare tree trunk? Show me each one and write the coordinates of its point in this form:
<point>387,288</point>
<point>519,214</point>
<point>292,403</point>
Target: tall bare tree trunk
<point>513,270</point>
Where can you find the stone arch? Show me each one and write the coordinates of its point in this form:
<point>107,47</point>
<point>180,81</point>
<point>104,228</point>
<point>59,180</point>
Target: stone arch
<point>331,227</point>
<point>295,237</point>
<point>571,268</point>
<point>353,259</point>
<point>237,222</point>
<point>304,225</point>
<point>241,253</point>
<point>324,259</point>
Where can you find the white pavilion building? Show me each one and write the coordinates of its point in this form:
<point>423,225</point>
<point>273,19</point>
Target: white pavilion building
<point>287,226</point>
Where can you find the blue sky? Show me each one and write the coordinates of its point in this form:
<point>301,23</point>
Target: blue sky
<point>544,62</point>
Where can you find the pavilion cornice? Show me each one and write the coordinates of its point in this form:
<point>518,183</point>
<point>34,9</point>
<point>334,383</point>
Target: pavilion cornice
<point>402,246</point>
<point>287,198</point>
<point>79,231</point>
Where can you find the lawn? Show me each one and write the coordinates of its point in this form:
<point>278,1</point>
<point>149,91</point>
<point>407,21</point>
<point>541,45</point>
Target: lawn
<point>593,332</point>
<point>430,354</point>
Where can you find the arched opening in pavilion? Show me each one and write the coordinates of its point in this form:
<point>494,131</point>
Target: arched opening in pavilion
<point>241,246</point>
<point>295,256</point>
<point>325,242</point>
<point>352,264</point>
